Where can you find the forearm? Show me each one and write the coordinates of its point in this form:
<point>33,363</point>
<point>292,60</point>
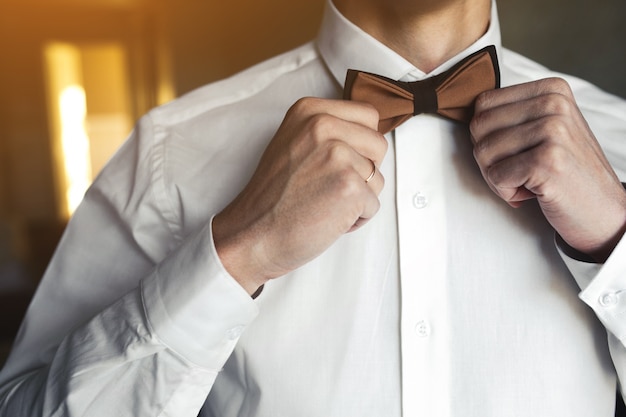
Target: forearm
<point>157,348</point>
<point>113,365</point>
<point>128,311</point>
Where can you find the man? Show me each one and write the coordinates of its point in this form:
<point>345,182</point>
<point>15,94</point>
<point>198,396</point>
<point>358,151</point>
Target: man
<point>389,275</point>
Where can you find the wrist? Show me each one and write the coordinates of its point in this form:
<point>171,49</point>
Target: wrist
<point>237,255</point>
<point>599,249</point>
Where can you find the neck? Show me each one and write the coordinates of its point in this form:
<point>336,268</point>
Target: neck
<point>425,32</point>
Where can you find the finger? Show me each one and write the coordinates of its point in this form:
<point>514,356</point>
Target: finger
<point>519,92</point>
<point>523,176</point>
<point>370,208</point>
<point>371,175</point>
<point>351,111</point>
<point>510,141</point>
<point>520,112</point>
<point>368,142</point>
<point>375,179</point>
<point>342,155</point>
<point>362,182</point>
<point>324,128</point>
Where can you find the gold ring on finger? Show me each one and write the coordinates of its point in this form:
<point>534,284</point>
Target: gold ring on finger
<point>368,179</point>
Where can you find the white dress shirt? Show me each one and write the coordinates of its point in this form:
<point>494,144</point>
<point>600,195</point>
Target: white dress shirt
<point>448,303</point>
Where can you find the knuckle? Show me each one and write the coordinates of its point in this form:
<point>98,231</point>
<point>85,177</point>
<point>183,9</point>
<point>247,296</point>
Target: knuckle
<point>370,113</point>
<point>337,154</point>
<point>382,182</point>
<point>319,126</point>
<point>494,176</point>
<point>477,154</point>
<point>555,103</point>
<point>381,148</point>
<point>297,107</point>
<point>375,206</point>
<point>483,101</point>
<point>481,148</point>
<point>366,114</point>
<point>475,125</point>
<point>553,128</point>
<point>303,105</point>
<point>349,184</point>
<point>558,85</point>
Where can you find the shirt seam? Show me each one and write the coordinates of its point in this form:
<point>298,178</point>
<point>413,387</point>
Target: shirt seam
<point>157,158</point>
<point>213,96</point>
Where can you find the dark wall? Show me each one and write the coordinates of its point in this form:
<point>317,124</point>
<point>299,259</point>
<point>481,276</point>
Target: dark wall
<point>580,37</point>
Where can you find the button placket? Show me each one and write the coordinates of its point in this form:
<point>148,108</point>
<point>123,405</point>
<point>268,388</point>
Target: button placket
<point>421,238</point>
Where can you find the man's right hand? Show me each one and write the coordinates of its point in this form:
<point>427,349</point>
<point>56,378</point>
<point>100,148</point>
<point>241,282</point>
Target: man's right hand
<point>308,190</point>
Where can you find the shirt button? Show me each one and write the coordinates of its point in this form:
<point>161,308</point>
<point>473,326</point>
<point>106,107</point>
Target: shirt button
<point>422,328</point>
<point>608,299</point>
<point>420,201</point>
<point>235,332</point>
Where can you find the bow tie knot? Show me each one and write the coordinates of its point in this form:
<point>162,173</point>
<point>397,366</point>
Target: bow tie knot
<point>450,94</point>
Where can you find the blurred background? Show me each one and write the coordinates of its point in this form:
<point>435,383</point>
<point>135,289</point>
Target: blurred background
<point>76,74</point>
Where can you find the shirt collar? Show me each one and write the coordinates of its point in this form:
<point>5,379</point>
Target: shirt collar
<point>344,45</point>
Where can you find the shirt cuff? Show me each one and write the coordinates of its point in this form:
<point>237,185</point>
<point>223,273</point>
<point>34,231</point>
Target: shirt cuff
<point>603,287</point>
<point>194,306</point>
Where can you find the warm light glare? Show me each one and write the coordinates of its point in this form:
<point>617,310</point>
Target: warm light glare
<point>90,114</point>
<point>75,144</point>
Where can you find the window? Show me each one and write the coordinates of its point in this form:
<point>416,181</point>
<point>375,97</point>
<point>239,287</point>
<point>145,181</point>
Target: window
<point>90,115</point>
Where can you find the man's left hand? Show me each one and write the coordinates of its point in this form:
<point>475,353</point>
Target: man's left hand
<point>531,141</point>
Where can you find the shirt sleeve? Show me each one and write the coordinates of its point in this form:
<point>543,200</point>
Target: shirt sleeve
<point>603,289</point>
<point>128,319</point>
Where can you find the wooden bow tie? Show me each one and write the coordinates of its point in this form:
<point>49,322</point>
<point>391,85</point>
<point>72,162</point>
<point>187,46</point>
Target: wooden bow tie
<point>450,94</point>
